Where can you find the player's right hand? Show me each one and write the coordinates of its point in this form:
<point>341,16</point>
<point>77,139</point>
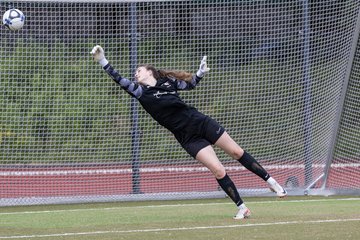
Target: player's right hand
<point>98,53</point>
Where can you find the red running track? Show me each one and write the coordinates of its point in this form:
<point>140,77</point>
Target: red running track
<point>16,182</point>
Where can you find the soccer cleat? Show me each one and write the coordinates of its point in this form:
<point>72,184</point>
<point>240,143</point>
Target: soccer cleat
<point>243,212</point>
<point>276,188</point>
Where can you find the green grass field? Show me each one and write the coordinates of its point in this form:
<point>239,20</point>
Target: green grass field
<point>291,218</point>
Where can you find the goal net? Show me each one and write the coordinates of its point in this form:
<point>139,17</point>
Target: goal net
<point>284,82</point>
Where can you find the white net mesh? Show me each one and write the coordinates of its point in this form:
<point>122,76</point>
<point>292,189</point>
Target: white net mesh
<point>68,133</point>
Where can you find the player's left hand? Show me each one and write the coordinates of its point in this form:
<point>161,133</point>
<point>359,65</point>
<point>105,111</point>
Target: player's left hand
<point>203,69</point>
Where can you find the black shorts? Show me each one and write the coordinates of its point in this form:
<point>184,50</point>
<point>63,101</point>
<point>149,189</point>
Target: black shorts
<point>201,132</point>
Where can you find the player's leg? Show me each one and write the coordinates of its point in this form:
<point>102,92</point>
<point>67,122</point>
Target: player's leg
<point>226,143</point>
<point>208,158</point>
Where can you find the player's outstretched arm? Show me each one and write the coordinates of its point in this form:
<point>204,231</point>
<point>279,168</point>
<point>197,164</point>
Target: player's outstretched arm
<point>130,87</point>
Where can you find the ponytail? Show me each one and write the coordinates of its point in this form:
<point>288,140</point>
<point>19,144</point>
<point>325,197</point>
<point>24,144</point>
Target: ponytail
<point>179,75</point>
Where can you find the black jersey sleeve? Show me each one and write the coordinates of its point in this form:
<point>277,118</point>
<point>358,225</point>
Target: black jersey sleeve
<point>130,87</point>
<point>186,85</point>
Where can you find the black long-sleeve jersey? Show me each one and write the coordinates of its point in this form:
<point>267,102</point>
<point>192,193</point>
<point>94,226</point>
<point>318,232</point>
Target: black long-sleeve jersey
<point>161,101</point>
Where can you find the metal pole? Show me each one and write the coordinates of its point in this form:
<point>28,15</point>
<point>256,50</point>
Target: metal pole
<point>135,132</point>
<point>337,123</point>
<point>307,95</point>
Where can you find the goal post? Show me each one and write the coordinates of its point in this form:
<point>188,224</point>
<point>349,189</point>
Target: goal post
<point>345,104</point>
<point>283,82</point>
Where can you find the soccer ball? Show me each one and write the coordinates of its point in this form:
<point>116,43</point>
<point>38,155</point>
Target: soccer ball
<point>13,19</point>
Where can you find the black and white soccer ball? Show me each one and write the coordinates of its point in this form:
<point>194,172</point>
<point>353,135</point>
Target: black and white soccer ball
<point>14,19</point>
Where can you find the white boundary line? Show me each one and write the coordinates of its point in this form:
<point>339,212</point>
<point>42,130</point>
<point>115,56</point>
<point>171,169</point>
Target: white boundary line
<point>179,229</point>
<point>6,173</point>
<point>176,205</point>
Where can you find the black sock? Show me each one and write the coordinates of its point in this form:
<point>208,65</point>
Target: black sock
<point>229,188</point>
<point>251,164</point>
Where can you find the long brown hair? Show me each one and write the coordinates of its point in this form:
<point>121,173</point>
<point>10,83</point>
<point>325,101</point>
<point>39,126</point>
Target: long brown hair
<point>158,74</point>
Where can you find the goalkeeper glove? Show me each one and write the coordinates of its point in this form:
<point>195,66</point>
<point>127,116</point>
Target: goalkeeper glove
<point>99,55</point>
<point>203,69</point>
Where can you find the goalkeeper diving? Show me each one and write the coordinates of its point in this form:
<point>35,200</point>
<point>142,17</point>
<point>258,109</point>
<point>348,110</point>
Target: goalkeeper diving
<point>157,91</point>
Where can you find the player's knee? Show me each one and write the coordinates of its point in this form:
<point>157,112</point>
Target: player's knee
<point>219,172</point>
<point>237,153</point>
